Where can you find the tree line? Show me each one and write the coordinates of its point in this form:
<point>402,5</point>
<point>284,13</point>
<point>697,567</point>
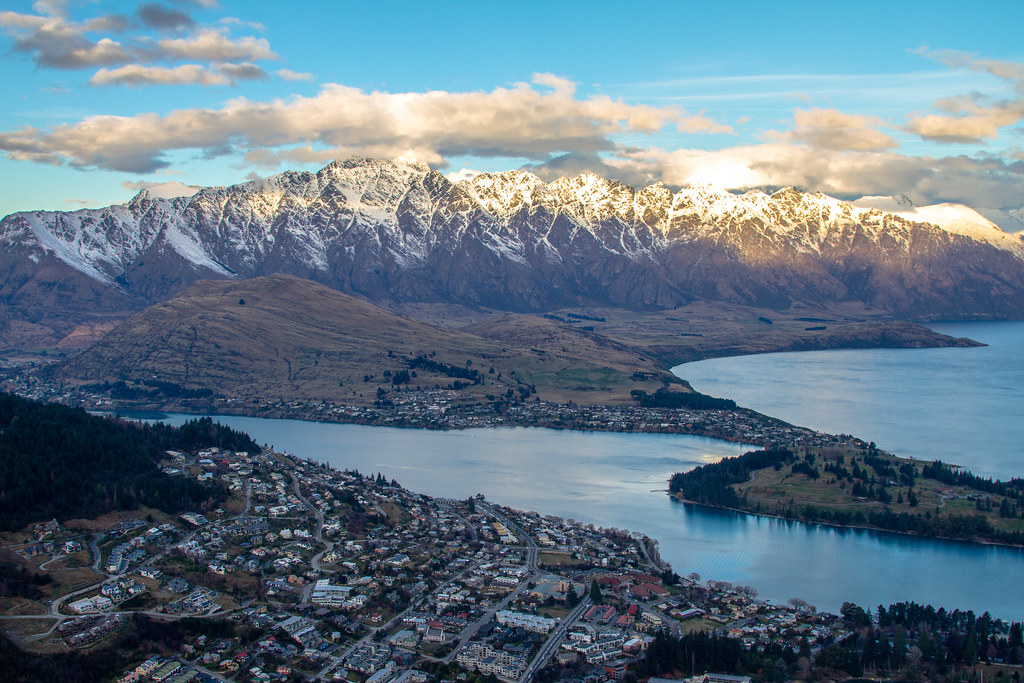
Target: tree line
<point>679,399</point>
<point>61,462</point>
<point>712,484</point>
<point>446,369</point>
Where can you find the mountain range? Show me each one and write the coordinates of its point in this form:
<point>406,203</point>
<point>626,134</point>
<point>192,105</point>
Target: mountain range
<point>400,234</point>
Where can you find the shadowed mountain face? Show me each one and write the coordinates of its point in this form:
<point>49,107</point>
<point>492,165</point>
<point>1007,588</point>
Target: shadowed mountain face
<point>395,233</point>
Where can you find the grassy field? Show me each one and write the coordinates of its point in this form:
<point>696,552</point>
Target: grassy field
<point>10,607</point>
<point>696,625</point>
<point>68,580</point>
<point>27,626</point>
<point>557,559</point>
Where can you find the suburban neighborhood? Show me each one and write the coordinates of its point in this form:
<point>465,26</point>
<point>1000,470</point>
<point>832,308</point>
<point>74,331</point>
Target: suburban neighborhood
<point>316,573</point>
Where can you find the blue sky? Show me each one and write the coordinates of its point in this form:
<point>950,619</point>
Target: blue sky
<point>922,98</point>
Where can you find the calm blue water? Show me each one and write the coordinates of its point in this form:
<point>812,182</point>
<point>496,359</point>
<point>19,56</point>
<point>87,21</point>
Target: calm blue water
<point>963,406</point>
<point>618,480</point>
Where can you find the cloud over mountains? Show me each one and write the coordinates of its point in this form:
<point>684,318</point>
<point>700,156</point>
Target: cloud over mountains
<point>552,124</point>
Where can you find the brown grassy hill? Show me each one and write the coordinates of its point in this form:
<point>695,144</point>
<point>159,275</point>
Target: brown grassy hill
<point>556,349</point>
<point>284,338</point>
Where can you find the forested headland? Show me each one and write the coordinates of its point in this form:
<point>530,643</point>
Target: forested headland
<point>861,487</point>
<point>61,462</point>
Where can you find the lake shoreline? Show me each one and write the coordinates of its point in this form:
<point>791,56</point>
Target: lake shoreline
<point>596,418</point>
<point>607,478</point>
<point>806,438</point>
<point>857,527</point>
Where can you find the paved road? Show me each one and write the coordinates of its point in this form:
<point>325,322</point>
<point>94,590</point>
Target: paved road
<point>647,556</point>
<point>94,548</point>
<point>318,536</point>
<point>531,558</point>
<point>550,645</point>
<point>487,616</point>
<point>248,499</point>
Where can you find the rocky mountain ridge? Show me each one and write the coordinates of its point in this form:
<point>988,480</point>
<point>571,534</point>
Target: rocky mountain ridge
<point>395,232</point>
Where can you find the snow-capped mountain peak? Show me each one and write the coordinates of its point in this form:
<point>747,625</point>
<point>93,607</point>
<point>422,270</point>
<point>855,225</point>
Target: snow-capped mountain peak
<point>392,231</point>
<point>954,218</point>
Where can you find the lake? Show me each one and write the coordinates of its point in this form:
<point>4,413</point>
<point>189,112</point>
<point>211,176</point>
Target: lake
<point>962,406</point>
<point>618,480</point>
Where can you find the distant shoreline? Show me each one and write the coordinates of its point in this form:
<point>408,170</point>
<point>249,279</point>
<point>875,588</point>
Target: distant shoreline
<point>860,527</point>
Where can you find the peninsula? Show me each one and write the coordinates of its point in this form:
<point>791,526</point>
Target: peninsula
<point>859,485</point>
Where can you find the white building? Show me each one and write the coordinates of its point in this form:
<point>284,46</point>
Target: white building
<point>327,595</point>
<point>531,622</point>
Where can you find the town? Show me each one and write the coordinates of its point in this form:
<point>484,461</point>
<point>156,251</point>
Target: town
<point>442,408</point>
<point>314,573</point>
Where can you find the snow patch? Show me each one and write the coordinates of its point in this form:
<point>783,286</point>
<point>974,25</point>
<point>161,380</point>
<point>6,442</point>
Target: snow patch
<point>963,220</point>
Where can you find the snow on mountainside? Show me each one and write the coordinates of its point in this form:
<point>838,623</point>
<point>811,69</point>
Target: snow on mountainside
<point>955,218</point>
<point>399,232</point>
<point>1010,221</point>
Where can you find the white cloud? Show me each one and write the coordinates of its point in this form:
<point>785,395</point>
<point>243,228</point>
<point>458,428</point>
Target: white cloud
<point>52,40</point>
<point>137,74</point>
<point>972,119</point>
<point>215,45</point>
<point>521,121</point>
<point>245,71</point>
<point>835,130</point>
<point>462,174</point>
<point>53,8</point>
<point>289,75</point>
<point>971,124</point>
<point>235,21</point>
<point>165,190</point>
<point>133,75</point>
<point>28,22</point>
<point>161,17</point>
<point>844,174</point>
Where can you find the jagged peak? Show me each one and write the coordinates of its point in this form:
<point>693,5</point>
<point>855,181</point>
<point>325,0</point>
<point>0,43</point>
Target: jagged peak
<point>504,192</point>
<point>705,194</point>
<point>788,193</point>
<point>659,190</point>
<point>590,188</point>
<point>140,197</point>
<point>355,161</point>
<point>517,177</point>
<point>588,179</point>
<point>702,189</point>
